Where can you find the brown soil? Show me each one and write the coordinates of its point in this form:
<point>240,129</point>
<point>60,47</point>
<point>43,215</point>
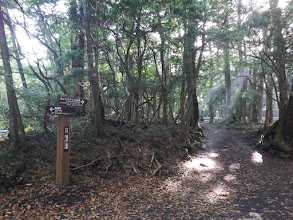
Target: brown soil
<point>229,180</point>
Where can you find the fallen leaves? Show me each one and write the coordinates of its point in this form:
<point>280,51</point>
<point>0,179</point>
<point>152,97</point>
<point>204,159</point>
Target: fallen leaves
<point>220,185</point>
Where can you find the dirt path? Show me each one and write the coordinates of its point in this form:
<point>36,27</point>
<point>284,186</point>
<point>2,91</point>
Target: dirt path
<point>258,183</point>
<point>230,180</point>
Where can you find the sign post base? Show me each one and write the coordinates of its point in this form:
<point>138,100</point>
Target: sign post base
<point>63,150</point>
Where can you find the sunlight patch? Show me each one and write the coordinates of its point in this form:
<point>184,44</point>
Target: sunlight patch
<point>256,157</point>
<point>220,191</point>
<point>200,164</point>
<point>173,186</point>
<point>213,155</point>
<point>229,177</point>
<point>234,166</point>
<point>205,177</point>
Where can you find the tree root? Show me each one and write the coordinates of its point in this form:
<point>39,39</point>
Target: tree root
<point>159,166</point>
<point>273,141</point>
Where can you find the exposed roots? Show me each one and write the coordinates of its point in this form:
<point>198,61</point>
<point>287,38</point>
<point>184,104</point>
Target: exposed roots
<point>274,142</point>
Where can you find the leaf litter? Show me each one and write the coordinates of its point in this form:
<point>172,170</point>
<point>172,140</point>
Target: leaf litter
<point>219,183</point>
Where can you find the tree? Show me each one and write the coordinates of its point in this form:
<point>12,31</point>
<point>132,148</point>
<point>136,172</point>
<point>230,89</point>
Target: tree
<point>16,49</point>
<point>278,137</point>
<point>16,126</point>
<point>93,79</point>
<point>192,29</point>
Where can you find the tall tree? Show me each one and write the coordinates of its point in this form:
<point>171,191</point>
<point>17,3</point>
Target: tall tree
<point>226,45</point>
<point>279,54</point>
<point>93,79</point>
<point>192,29</point>
<point>16,48</point>
<point>16,126</point>
<point>242,73</point>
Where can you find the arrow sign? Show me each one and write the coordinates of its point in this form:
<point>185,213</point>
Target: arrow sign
<point>74,102</point>
<point>61,110</point>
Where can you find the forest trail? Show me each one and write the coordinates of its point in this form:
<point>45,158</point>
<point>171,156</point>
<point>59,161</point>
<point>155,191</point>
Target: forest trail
<point>258,185</point>
<point>229,180</point>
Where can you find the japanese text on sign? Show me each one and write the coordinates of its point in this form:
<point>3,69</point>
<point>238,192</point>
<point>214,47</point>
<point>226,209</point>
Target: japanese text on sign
<point>74,102</point>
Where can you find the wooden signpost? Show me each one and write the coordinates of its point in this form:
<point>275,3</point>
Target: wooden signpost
<point>66,108</point>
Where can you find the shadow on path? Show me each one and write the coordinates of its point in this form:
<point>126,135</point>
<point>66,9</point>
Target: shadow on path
<point>234,181</point>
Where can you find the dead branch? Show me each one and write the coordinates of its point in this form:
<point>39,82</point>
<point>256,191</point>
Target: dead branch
<point>95,160</point>
<point>110,162</point>
<point>159,166</point>
<point>152,160</point>
<point>134,168</point>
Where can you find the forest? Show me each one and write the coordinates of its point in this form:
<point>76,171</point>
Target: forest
<point>178,93</point>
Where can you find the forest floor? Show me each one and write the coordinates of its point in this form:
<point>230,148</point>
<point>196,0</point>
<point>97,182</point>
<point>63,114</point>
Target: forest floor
<point>228,180</point>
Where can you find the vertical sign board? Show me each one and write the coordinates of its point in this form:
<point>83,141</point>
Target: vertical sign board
<point>63,150</point>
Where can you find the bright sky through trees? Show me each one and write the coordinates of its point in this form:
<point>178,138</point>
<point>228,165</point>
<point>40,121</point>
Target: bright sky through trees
<point>32,47</point>
<point>264,4</point>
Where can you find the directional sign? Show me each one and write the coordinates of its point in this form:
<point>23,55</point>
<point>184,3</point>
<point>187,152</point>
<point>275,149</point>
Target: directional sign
<point>61,110</point>
<point>73,102</point>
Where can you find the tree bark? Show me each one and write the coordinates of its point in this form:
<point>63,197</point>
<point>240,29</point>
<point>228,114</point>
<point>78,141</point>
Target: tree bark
<point>129,88</point>
<point>227,79</point>
<point>210,94</point>
<point>191,71</point>
<point>164,71</point>
<point>278,139</point>
<point>95,90</point>
<point>16,125</point>
<point>269,102</point>
<point>260,101</point>
<point>254,103</point>
<point>279,55</point>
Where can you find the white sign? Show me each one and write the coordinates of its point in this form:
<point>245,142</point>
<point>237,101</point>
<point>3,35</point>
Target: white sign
<point>74,102</point>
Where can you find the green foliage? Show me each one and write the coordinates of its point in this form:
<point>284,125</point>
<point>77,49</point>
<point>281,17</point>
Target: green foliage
<point>123,32</point>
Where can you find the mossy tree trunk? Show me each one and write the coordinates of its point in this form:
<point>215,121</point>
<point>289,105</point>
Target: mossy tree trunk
<point>278,139</point>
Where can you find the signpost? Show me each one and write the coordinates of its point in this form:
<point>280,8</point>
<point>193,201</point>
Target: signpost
<point>74,102</point>
<point>60,110</point>
<point>63,150</point>
<point>67,107</point>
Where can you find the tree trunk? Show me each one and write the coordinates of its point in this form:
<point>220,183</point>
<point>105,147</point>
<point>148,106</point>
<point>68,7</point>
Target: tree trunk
<point>227,79</point>
<point>129,88</point>
<point>260,101</point>
<point>15,121</point>
<point>241,71</point>
<point>164,71</point>
<point>279,55</point>
<point>102,110</point>
<point>279,137</point>
<point>210,94</point>
<point>188,70</point>
<point>254,103</point>
<point>95,90</point>
<point>269,103</point>
<point>191,71</point>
